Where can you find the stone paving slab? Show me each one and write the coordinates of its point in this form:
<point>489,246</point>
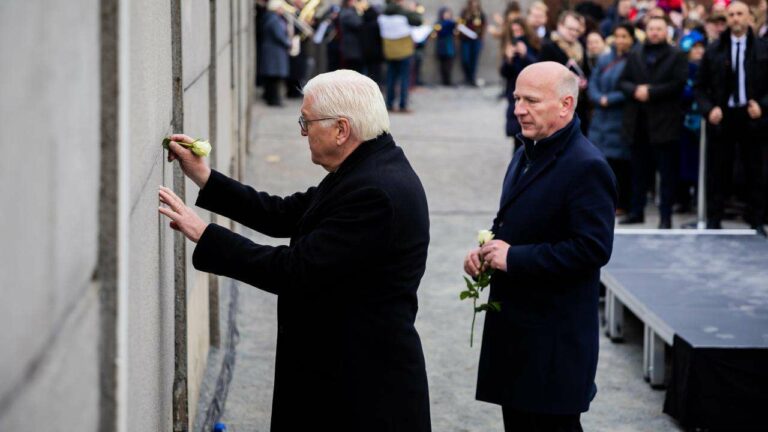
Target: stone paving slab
<point>455,142</point>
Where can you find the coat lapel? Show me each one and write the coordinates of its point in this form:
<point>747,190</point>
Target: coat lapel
<point>512,171</point>
<point>543,161</point>
<point>534,171</point>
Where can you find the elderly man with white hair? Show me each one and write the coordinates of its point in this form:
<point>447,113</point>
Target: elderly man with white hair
<point>348,355</point>
<point>553,232</point>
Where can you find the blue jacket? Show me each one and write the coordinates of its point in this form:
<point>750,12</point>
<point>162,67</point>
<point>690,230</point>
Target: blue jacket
<point>539,351</point>
<point>446,46</point>
<point>605,130</point>
<point>274,47</point>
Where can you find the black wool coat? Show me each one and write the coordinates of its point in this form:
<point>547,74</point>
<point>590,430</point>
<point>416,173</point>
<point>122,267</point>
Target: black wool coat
<point>539,351</point>
<point>664,108</point>
<point>348,355</point>
<point>716,72</point>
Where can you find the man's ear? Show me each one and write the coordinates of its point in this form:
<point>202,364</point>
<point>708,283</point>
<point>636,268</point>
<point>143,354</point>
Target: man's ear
<point>345,130</point>
<point>567,103</point>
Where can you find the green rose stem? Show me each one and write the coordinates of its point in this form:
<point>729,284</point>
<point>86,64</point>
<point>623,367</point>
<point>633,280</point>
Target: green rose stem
<point>474,287</point>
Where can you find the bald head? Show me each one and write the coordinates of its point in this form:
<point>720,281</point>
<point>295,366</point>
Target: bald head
<point>554,76</point>
<point>545,98</point>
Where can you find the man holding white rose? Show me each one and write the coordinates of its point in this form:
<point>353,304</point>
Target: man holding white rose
<point>348,355</point>
<point>552,233</point>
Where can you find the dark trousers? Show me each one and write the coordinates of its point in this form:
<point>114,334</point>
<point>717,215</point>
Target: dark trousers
<point>622,169</point>
<point>398,72</point>
<point>664,158</point>
<point>470,54</point>
<point>521,421</point>
<point>373,71</point>
<point>446,66</point>
<point>272,90</point>
<point>723,140</point>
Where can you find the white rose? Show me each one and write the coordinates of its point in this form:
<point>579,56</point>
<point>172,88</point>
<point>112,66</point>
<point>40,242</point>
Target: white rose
<point>484,236</point>
<point>201,148</point>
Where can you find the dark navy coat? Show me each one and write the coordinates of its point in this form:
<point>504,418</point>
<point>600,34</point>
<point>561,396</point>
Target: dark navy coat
<point>539,353</point>
<point>348,355</point>
<point>274,47</point>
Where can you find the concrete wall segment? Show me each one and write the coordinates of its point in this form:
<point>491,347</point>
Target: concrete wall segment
<point>49,181</point>
<point>195,39</point>
<point>50,178</point>
<point>150,334</point>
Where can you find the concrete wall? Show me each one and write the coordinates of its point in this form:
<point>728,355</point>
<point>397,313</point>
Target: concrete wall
<point>88,341</point>
<point>49,115</point>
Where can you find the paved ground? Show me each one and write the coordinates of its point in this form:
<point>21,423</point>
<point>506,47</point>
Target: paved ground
<point>455,142</point>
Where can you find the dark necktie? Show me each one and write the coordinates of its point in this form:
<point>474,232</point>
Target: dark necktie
<point>737,91</point>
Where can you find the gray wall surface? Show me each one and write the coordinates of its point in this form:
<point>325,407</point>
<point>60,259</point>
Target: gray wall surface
<point>62,191</point>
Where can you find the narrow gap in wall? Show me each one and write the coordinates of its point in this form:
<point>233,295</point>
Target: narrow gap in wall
<point>180,387</point>
<point>107,263</point>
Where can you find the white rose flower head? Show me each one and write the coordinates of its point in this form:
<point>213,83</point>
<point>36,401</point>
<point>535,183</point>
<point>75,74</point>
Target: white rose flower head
<point>201,148</point>
<point>484,236</point>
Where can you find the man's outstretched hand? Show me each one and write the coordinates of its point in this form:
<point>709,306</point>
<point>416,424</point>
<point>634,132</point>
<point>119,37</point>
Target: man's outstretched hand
<point>193,166</point>
<point>183,218</point>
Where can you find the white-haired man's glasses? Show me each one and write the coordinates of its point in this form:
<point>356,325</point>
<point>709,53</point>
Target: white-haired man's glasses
<point>304,123</point>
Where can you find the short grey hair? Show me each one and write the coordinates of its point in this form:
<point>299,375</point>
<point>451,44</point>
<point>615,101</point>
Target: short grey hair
<point>569,86</point>
<point>350,95</point>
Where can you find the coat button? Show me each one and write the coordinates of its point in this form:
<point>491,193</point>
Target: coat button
<point>501,224</point>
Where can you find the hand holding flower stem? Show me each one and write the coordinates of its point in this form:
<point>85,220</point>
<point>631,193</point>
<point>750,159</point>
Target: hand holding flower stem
<point>481,274</point>
<point>189,152</point>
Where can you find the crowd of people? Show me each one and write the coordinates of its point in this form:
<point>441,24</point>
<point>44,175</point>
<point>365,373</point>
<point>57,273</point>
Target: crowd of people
<point>649,72</point>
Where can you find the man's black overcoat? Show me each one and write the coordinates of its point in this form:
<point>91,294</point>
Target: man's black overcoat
<point>666,77</point>
<point>539,352</point>
<point>348,355</point>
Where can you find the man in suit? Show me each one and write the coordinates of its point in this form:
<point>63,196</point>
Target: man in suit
<point>553,232</point>
<point>653,81</point>
<point>348,355</point>
<point>732,92</point>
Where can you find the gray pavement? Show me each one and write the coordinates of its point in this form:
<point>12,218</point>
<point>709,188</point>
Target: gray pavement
<point>456,144</point>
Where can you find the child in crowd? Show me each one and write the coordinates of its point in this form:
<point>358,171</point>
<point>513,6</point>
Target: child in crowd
<point>694,45</point>
<point>445,32</point>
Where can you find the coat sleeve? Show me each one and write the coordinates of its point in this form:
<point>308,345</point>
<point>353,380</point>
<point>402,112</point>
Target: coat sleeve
<point>355,234</point>
<point>590,218</point>
<point>627,80</point>
<point>671,89</point>
<point>703,84</point>
<point>267,214</point>
<point>275,31</point>
<point>593,91</point>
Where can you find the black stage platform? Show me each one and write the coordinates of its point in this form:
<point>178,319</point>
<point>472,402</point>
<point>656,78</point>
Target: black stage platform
<point>705,294</point>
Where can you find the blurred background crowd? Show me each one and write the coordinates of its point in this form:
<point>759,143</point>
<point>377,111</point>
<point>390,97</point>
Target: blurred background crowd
<point>652,73</point>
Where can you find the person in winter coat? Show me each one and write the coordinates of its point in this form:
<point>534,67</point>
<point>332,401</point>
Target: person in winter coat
<point>274,55</point>
<point>653,82</point>
<point>520,48</point>
<point>349,358</point>
<point>445,43</point>
<point>351,23</point>
<point>605,130</point>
